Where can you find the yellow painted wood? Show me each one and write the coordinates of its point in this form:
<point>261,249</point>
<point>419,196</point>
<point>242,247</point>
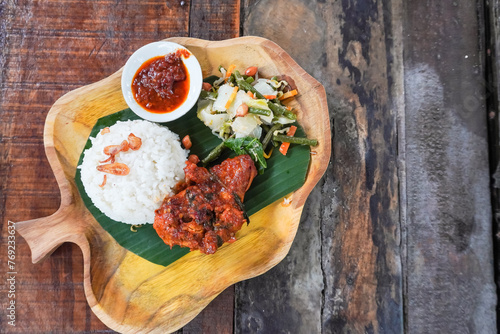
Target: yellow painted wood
<point>128,293</point>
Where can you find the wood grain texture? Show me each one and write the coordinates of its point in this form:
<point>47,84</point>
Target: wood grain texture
<point>343,273</point>
<point>128,293</point>
<point>492,41</point>
<point>449,272</point>
<point>48,48</point>
<point>214,20</point>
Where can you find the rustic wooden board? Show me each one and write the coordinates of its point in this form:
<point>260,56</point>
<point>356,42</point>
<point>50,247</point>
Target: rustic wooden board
<point>449,272</point>
<point>129,293</point>
<point>48,48</point>
<point>343,273</point>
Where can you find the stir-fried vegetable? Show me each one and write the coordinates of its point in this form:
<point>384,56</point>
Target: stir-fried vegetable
<point>288,94</point>
<point>285,145</point>
<point>231,97</point>
<point>247,112</point>
<point>296,140</point>
<point>214,154</point>
<point>230,71</point>
<point>250,146</point>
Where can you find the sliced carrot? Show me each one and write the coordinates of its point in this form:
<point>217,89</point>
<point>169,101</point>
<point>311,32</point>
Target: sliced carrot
<point>230,70</point>
<point>288,94</point>
<point>269,97</point>
<point>284,146</point>
<point>249,93</point>
<point>232,97</point>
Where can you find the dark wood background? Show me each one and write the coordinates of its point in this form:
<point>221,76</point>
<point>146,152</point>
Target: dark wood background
<point>398,235</point>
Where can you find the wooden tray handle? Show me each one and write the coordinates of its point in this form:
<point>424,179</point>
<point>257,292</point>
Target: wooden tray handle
<point>45,235</point>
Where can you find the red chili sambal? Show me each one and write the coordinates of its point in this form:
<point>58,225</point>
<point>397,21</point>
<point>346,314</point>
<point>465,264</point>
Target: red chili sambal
<point>161,84</point>
<point>207,209</point>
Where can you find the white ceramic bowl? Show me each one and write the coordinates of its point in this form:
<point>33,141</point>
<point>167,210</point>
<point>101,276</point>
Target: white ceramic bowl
<point>147,52</point>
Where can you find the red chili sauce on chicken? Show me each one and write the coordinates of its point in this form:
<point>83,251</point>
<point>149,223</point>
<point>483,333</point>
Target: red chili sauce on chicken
<point>161,84</point>
<point>207,210</point>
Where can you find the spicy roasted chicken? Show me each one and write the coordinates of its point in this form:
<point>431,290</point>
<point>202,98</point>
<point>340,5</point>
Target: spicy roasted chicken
<point>207,210</point>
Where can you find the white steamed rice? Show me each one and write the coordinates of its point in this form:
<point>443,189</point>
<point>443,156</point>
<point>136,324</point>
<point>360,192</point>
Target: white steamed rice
<point>154,170</point>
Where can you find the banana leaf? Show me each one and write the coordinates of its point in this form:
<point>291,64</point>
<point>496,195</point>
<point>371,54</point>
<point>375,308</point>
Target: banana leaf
<point>283,175</point>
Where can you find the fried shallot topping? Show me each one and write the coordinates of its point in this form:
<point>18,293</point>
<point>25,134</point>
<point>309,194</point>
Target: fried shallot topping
<point>104,181</point>
<point>135,143</point>
<point>117,168</point>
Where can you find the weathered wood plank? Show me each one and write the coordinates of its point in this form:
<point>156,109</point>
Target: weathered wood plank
<point>217,317</point>
<point>48,48</point>
<point>214,20</point>
<point>492,17</point>
<point>449,272</point>
<point>343,273</point>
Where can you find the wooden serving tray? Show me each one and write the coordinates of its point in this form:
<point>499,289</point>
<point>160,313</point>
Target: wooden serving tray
<point>127,292</point>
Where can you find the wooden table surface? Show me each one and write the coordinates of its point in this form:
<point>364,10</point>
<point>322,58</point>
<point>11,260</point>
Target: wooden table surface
<point>397,236</point>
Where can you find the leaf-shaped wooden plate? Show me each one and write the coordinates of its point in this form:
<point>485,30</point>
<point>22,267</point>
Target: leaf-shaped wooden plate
<point>127,292</point>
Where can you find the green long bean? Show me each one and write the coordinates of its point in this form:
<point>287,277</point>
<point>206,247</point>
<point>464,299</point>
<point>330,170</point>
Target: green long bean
<point>279,110</point>
<point>290,115</point>
<point>296,140</point>
<point>242,84</point>
<point>214,154</point>
<point>259,111</point>
<point>269,134</point>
